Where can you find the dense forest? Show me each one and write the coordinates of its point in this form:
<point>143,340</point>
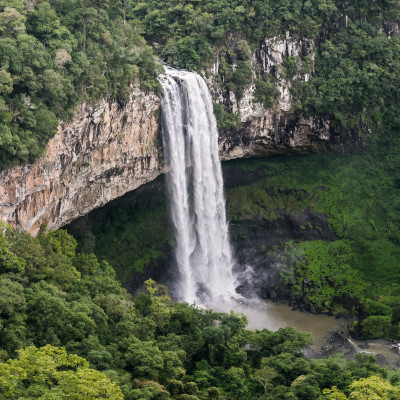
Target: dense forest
<point>68,328</point>
<point>70,331</point>
<point>56,54</point>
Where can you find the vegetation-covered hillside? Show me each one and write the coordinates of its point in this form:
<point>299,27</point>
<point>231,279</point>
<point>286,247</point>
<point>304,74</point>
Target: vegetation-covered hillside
<point>147,347</point>
<point>357,65</point>
<point>326,228</point>
<point>68,330</point>
<point>55,54</point>
<point>322,231</point>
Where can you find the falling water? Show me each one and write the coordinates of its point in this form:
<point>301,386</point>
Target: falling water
<point>194,179</point>
<point>203,254</point>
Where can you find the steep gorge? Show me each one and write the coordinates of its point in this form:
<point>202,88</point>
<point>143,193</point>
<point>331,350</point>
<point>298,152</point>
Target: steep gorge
<point>111,149</point>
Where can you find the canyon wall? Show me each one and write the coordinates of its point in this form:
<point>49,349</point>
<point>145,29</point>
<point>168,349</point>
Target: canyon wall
<point>277,130</point>
<point>112,149</point>
<point>98,156</point>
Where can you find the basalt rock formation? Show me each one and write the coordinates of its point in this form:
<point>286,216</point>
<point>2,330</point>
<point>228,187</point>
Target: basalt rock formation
<point>109,150</point>
<point>277,130</point>
<point>98,156</point>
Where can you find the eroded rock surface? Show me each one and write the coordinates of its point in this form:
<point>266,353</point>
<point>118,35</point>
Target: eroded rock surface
<point>277,130</point>
<point>98,156</point>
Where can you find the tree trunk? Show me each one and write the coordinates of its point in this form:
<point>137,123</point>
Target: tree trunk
<point>124,17</point>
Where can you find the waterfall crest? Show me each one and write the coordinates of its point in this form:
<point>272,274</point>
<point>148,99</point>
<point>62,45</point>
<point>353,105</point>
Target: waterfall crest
<point>194,179</point>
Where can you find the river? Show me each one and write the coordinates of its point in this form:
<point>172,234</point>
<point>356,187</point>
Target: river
<point>330,334</point>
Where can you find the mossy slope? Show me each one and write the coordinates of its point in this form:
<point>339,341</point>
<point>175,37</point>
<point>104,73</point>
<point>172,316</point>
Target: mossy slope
<point>326,228</point>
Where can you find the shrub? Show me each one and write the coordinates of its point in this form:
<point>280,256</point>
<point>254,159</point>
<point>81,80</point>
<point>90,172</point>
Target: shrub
<point>265,93</point>
<point>375,308</point>
<point>213,393</point>
<point>376,326</point>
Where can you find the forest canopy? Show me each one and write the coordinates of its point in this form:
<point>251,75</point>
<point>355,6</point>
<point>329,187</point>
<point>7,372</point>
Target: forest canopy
<point>68,330</point>
<point>56,54</point>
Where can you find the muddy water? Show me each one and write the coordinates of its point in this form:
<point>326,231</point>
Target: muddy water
<point>272,316</point>
<point>321,326</point>
<point>330,334</point>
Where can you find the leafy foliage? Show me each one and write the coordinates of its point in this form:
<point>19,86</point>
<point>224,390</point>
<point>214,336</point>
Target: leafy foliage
<point>226,120</point>
<point>342,253</point>
<point>50,373</point>
<point>373,387</point>
<point>133,234</point>
<point>146,347</point>
<point>185,32</point>
<point>355,77</point>
<point>265,93</point>
<point>329,274</point>
<point>376,326</point>
<point>55,54</point>
<point>356,80</point>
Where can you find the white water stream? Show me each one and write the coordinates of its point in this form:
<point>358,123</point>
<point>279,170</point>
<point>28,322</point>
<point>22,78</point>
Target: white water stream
<point>203,254</point>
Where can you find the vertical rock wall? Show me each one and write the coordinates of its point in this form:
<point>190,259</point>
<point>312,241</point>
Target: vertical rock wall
<point>277,130</point>
<point>98,156</point>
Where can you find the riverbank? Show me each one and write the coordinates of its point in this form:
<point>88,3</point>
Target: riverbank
<point>330,334</point>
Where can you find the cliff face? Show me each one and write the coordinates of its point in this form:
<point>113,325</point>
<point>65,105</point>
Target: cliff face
<point>110,150</point>
<point>100,155</point>
<point>277,130</point>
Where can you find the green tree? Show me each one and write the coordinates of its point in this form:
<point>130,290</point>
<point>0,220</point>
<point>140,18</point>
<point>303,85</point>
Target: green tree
<point>12,314</point>
<point>333,394</point>
<point>376,326</point>
<point>6,82</point>
<point>373,387</point>
<point>51,373</point>
<point>264,375</point>
<point>144,359</point>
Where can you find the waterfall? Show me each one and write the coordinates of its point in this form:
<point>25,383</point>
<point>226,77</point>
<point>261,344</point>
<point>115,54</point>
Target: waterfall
<point>194,180</point>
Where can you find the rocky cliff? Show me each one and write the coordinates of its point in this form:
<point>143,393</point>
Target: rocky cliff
<point>111,149</point>
<point>277,130</point>
<point>98,156</point>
